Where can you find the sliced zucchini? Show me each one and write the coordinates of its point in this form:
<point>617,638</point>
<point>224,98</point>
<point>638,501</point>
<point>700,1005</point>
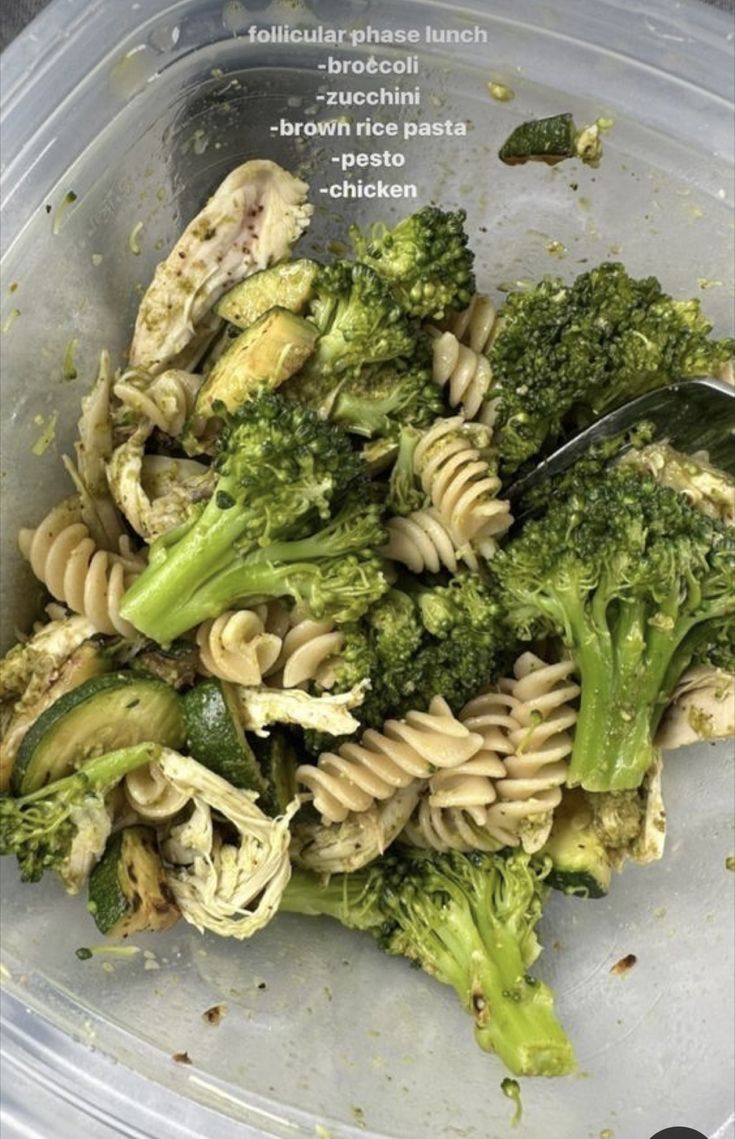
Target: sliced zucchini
<point>128,890</point>
<point>215,737</point>
<point>547,140</point>
<point>288,285</point>
<point>104,713</point>
<point>580,862</point>
<point>270,351</point>
<point>278,760</point>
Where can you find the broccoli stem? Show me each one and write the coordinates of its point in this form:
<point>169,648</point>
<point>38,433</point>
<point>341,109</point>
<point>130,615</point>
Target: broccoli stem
<point>98,774</point>
<point>513,1012</point>
<point>462,944</point>
<point>158,603</point>
<point>626,677</point>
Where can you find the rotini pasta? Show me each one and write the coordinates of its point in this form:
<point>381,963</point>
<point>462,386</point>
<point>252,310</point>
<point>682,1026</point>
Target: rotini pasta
<point>421,541</point>
<point>382,762</point>
<point>465,373</point>
<point>537,769</point>
<point>461,485</point>
<point>90,581</point>
<point>238,647</point>
<point>151,795</point>
<point>476,326</point>
<point>308,652</point>
<point>449,828</point>
<point>506,794</point>
<point>166,401</point>
<point>452,813</point>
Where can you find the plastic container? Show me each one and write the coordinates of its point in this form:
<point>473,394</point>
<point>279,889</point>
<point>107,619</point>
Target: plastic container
<point>140,109</point>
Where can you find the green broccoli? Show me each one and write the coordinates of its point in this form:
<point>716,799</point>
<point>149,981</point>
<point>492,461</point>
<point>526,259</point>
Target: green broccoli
<point>419,640</point>
<point>637,582</point>
<point>567,354</point>
<point>382,400</point>
<point>64,824</point>
<point>280,472</point>
<point>467,919</point>
<point>424,259</point>
<point>359,323</point>
<point>404,492</point>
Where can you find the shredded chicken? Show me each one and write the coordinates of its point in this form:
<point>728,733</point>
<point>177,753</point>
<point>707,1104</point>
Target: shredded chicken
<point>251,221</point>
<point>702,708</point>
<point>93,450</point>
<point>230,888</point>
<point>260,706</point>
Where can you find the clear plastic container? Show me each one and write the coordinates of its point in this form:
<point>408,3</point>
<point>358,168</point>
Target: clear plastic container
<point>140,109</point>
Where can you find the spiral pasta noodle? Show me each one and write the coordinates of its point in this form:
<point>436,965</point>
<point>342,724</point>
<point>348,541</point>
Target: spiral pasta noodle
<point>421,541</point>
<point>308,652</point>
<point>506,794</point>
<point>88,580</point>
<point>383,762</point>
<point>452,814</point>
<point>166,401</point>
<point>151,795</point>
<point>465,373</point>
<point>461,485</point>
<point>476,326</point>
<point>238,647</point>
<point>537,768</point>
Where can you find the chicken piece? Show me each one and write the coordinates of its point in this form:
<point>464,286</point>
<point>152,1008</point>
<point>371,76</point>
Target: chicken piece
<point>226,878</point>
<point>250,222</point>
<point>702,708</point>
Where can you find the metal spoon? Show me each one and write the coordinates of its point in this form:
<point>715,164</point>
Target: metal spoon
<point>695,415</point>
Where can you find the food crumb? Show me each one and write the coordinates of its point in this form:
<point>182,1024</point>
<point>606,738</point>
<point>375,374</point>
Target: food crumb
<point>10,319</point>
<point>501,92</point>
<point>134,239</point>
<point>624,964</point>
<point>359,1116</point>
<point>512,1090</point>
<point>47,436</point>
<point>322,1132</point>
<point>181,1058</point>
<point>730,862</point>
<point>214,1014</point>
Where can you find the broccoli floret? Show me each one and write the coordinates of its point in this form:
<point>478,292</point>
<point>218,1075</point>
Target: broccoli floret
<point>425,260</point>
<point>468,920</point>
<point>281,472</point>
<point>404,493</point>
<point>359,323</point>
<point>707,487</point>
<point>637,582</point>
<point>420,641</point>
<point>567,354</point>
<point>381,400</point>
<point>65,824</point>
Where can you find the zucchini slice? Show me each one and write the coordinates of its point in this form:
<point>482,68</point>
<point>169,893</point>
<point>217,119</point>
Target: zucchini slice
<point>128,890</point>
<point>288,285</point>
<point>580,862</point>
<point>278,760</point>
<point>215,737</point>
<point>103,714</point>
<point>270,351</point>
